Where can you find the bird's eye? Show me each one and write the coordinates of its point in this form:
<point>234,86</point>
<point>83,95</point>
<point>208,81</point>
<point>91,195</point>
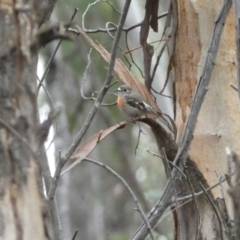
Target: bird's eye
<point>124,90</point>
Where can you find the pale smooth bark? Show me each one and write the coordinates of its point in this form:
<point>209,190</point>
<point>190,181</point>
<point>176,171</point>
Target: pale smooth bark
<point>217,124</point>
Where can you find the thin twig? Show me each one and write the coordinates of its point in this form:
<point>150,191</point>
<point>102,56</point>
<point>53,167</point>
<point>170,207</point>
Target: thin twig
<point>93,98</point>
<point>52,105</point>
<point>172,34</point>
<point>53,55</point>
<point>234,193</point>
<point>87,69</point>
<point>229,166</point>
<point>157,92</point>
<point>157,61</point>
<point>125,184</point>
<point>138,139</point>
<point>226,212</point>
<point>195,206</point>
<point>139,47</point>
<point>187,200</point>
<point>214,209</point>
<point>221,187</point>
<point>171,163</point>
<point>75,235</point>
<point>109,32</point>
<point>131,55</point>
<point>223,179</point>
<point>103,30</point>
<point>112,6</point>
<point>165,162</point>
<point>234,87</point>
<point>96,105</point>
<point>173,183</point>
<point>85,12</point>
<point>175,166</point>
<point>159,209</point>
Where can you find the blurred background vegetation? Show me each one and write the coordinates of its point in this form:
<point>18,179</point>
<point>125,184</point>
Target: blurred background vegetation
<point>89,198</point>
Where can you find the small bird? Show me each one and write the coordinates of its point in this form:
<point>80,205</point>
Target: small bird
<point>132,104</point>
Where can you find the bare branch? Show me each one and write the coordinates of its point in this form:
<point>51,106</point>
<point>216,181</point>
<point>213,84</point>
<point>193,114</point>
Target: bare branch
<point>222,206</point>
<point>52,105</point>
<point>125,184</point>
<point>103,30</point>
<point>131,56</point>
<point>87,69</point>
<point>75,235</point>
<point>234,87</point>
<point>235,195</point>
<point>53,55</point>
<point>157,61</point>
<point>96,105</point>
<point>164,158</point>
<point>197,219</point>
<point>138,139</point>
<point>93,98</point>
<point>214,208</point>
<point>223,179</point>
<point>229,166</point>
<point>85,12</point>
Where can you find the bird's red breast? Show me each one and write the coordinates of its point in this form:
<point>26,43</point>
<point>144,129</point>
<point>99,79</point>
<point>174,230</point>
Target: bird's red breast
<point>120,102</point>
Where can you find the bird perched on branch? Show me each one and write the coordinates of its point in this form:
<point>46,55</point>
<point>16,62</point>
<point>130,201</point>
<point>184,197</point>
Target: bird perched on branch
<point>132,104</point>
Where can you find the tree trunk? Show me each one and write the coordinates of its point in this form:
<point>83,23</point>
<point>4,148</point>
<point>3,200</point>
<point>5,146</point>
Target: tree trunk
<point>24,212</point>
<point>218,119</point>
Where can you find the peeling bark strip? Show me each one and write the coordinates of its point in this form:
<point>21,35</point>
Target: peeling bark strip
<point>192,223</point>
<point>150,19</point>
<point>22,211</point>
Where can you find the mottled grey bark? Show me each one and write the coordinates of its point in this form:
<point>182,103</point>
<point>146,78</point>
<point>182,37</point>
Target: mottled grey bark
<point>23,209</point>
